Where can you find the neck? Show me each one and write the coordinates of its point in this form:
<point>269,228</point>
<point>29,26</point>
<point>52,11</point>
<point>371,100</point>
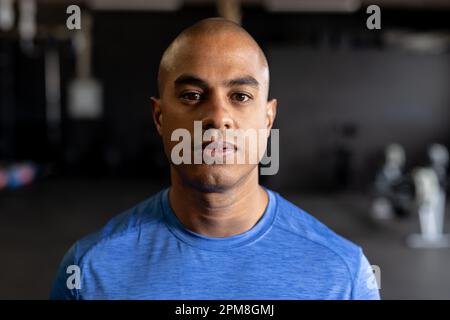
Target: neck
<point>219,214</point>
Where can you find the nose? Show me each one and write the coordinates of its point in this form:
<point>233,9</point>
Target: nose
<point>217,114</point>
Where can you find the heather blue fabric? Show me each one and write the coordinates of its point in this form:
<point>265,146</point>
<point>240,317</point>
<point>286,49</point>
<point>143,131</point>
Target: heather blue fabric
<point>146,253</point>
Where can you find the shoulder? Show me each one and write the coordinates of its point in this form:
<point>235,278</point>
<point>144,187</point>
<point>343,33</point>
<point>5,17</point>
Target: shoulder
<point>126,225</point>
<point>308,231</point>
<point>113,242</point>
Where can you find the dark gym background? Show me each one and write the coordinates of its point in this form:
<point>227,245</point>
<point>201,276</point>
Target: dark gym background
<point>344,93</point>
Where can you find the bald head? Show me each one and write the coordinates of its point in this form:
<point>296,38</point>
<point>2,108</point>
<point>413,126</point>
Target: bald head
<point>209,35</point>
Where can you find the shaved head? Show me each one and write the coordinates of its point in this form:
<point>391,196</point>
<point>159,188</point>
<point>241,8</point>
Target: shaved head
<point>201,36</point>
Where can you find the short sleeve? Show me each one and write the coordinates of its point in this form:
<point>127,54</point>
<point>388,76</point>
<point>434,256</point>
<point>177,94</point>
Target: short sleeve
<point>365,286</point>
<point>65,276</point>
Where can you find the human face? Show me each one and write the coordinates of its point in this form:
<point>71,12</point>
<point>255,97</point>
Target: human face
<point>223,83</point>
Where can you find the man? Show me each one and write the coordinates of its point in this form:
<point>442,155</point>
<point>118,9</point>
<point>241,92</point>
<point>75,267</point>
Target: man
<point>215,233</point>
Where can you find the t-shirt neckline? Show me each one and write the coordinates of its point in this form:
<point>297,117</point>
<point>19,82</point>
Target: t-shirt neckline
<point>219,244</point>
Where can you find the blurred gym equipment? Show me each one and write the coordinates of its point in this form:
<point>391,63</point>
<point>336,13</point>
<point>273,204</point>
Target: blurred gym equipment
<point>18,175</point>
<point>85,92</point>
<point>393,194</point>
<point>430,202</point>
<point>438,155</point>
<point>7,15</point>
<point>27,24</point>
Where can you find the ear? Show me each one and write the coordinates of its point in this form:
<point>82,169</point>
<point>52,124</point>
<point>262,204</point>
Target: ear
<point>157,113</point>
<point>271,112</point>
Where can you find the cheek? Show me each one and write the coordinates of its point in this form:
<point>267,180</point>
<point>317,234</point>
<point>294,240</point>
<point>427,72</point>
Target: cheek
<point>167,130</point>
<point>254,120</point>
<point>180,127</point>
<point>174,121</point>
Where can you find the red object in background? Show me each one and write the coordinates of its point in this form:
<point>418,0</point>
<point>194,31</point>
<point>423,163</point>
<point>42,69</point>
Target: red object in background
<point>17,175</point>
<point>3,179</point>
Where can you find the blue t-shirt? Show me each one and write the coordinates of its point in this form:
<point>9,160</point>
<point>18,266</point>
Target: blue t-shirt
<point>146,253</point>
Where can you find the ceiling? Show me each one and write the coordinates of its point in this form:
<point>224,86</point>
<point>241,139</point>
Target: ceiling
<point>275,5</point>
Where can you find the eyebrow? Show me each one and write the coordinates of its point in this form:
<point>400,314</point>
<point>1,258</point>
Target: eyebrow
<point>192,80</point>
<point>242,81</point>
<point>185,79</point>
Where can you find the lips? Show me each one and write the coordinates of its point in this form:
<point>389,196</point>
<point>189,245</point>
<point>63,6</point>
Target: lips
<point>218,148</point>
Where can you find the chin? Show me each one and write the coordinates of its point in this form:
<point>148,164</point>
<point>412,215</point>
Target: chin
<point>212,178</point>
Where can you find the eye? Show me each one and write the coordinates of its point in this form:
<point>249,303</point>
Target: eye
<point>240,97</point>
<point>191,96</point>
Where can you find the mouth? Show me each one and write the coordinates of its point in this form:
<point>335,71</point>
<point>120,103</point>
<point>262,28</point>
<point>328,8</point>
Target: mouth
<point>218,148</point>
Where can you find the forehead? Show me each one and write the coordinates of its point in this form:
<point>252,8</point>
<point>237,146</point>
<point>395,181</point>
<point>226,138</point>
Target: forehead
<point>218,59</point>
